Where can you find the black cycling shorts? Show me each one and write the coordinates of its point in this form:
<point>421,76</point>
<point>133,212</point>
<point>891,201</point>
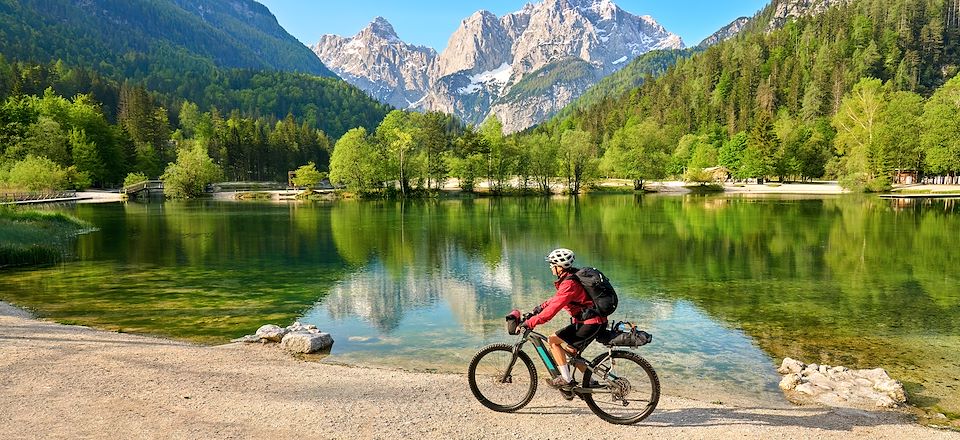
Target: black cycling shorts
<point>579,335</point>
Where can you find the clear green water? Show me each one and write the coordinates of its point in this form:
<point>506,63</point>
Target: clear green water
<point>727,285</point>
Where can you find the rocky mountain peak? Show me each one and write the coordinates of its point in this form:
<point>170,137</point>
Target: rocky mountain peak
<point>725,33</point>
<point>479,44</point>
<point>382,28</point>
<point>787,10</point>
<point>522,67</point>
<point>377,61</point>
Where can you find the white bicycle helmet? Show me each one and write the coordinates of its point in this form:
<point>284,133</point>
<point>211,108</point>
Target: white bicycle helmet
<point>561,257</point>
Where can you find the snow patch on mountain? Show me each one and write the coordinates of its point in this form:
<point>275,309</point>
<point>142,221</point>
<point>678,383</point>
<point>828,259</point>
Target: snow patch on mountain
<point>498,76</point>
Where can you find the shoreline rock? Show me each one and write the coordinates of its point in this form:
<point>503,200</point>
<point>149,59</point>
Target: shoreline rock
<point>306,342</point>
<point>840,386</point>
<point>296,338</point>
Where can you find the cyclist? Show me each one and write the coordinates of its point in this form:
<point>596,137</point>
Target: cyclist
<point>574,299</point>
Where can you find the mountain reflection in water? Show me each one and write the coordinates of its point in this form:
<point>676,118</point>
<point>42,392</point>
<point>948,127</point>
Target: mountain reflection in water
<point>728,285</point>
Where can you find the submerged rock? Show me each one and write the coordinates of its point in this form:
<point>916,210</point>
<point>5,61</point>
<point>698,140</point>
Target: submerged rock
<point>840,386</point>
<point>306,341</point>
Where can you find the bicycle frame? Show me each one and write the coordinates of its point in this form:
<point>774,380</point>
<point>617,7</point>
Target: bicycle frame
<point>539,342</point>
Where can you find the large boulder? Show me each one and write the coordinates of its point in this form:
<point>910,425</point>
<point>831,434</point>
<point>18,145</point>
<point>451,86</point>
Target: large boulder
<point>306,341</point>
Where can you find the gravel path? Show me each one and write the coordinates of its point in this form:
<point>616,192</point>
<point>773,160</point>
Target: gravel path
<point>59,381</point>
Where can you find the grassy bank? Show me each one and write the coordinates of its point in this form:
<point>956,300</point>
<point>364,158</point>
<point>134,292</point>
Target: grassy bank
<point>29,237</point>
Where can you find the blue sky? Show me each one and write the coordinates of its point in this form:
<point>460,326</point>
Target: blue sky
<point>430,23</point>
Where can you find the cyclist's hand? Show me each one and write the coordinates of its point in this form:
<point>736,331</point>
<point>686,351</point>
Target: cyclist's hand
<point>526,317</point>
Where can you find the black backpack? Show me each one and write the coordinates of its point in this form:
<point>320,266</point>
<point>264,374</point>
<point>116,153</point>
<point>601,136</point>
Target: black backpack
<point>600,290</point>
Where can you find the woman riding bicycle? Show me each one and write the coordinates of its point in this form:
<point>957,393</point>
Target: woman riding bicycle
<point>570,296</point>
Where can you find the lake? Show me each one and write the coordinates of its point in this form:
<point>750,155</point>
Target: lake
<point>728,285</point>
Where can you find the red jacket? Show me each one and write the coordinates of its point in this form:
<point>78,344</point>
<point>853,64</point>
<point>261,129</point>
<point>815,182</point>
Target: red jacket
<point>570,296</point>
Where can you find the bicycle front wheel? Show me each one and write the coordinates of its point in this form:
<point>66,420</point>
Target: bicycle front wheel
<point>630,391</point>
<point>494,386</point>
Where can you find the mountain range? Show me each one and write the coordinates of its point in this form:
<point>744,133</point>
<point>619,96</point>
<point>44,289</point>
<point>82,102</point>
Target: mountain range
<point>521,67</point>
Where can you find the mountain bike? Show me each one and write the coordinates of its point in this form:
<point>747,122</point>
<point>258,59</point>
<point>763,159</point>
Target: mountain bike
<point>619,386</point>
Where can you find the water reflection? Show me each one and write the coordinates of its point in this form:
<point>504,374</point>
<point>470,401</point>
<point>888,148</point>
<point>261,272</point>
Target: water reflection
<point>727,284</point>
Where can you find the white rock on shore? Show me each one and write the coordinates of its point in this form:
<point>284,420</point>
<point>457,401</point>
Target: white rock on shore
<point>297,338</point>
<point>306,342</point>
<point>271,332</point>
<point>840,386</point>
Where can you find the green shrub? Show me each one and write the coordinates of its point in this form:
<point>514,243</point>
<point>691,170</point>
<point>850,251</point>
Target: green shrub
<point>134,178</point>
<point>38,174</point>
<point>77,180</point>
<point>187,177</point>
<point>308,176</point>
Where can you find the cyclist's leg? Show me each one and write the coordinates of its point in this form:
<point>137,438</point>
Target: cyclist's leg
<point>580,339</point>
<point>560,348</point>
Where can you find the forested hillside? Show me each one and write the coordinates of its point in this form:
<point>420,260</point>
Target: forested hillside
<point>106,130</point>
<point>139,39</point>
<point>93,91</point>
<point>766,103</point>
<point>647,66</point>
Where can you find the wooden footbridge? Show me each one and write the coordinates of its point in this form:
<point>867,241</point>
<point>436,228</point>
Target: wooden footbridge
<point>144,189</point>
<point>36,197</point>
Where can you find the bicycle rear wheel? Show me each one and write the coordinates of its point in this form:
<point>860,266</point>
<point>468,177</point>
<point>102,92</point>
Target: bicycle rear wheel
<point>494,390</point>
<point>630,391</point>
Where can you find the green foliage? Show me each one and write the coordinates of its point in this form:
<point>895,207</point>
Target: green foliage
<point>37,174</point>
<point>134,178</point>
<point>638,151</point>
<point>732,152</point>
<point>544,160</point>
<point>308,176</point>
<point>354,163</point>
<point>147,126</point>
<point>859,123</point>
<point>631,76</point>
<point>85,155</point>
<point>467,160</point>
<point>395,137</point>
<point>783,88</point>
<point>138,37</point>
<point>500,156</point>
<point>143,63</point>
<point>681,155</point>
<point>762,144</point>
<point>190,174</point>
<point>901,131</point>
<point>579,164</point>
<point>940,138</point>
